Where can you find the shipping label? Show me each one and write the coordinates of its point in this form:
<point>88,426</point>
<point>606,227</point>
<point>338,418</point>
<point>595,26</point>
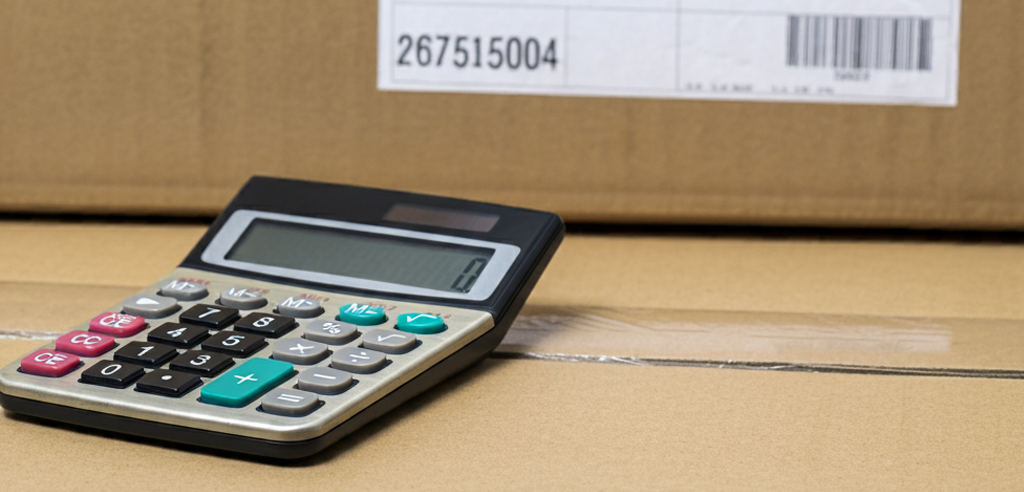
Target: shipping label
<point>838,51</point>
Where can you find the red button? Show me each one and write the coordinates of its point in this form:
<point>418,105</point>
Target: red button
<point>49,362</point>
<point>83,343</point>
<point>119,325</point>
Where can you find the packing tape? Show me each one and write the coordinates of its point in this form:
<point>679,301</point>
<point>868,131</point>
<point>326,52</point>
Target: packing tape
<point>769,341</point>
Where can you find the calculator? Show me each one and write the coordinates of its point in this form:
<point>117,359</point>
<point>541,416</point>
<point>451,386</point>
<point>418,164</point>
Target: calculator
<point>305,311</point>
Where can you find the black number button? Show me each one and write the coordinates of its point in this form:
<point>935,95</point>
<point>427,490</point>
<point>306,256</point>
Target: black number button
<point>205,364</point>
<point>270,325</point>
<point>112,374</point>
<point>209,315</point>
<point>167,383</point>
<point>145,353</point>
<point>235,344</point>
<point>178,335</point>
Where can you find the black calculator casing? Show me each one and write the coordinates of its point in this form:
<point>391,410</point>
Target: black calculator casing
<point>537,234</point>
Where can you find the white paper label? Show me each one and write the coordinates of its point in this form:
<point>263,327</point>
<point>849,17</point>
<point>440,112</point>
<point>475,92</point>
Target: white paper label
<point>841,51</point>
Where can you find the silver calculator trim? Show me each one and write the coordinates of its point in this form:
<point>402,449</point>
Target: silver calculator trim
<point>221,244</point>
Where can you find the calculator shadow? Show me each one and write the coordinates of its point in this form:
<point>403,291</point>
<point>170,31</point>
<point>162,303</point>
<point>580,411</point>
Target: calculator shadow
<point>332,452</point>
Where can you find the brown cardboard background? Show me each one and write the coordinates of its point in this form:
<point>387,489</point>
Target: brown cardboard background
<point>530,425</point>
<point>168,106</point>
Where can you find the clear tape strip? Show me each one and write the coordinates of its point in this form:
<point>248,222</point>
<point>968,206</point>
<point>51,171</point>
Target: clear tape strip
<point>28,335</point>
<point>768,366</point>
<point>808,342</point>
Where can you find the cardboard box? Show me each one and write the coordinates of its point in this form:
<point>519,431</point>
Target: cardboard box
<point>652,417</point>
<point>167,107</point>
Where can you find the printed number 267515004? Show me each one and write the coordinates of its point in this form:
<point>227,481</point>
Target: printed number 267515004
<point>495,52</point>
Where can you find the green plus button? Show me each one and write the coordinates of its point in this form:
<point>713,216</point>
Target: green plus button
<point>420,323</point>
<point>362,314</point>
<point>246,382</point>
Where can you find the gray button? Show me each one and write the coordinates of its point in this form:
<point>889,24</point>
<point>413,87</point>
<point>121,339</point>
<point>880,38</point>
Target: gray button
<point>357,360</point>
<point>243,298</point>
<point>324,380</point>
<point>289,401</point>
<point>389,341</point>
<point>300,307</point>
<point>150,306</point>
<point>299,351</point>
<point>184,290</point>
<point>331,332</point>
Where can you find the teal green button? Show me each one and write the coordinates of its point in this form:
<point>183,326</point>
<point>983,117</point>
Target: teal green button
<point>246,382</point>
<point>420,323</point>
<point>362,314</point>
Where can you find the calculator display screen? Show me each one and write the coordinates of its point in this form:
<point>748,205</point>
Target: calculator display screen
<point>405,261</point>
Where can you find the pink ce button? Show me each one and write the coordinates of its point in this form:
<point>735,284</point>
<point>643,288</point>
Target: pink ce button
<point>117,324</point>
<point>84,343</point>
<point>48,362</point>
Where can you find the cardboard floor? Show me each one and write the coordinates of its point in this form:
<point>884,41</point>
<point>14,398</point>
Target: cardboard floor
<point>649,415</point>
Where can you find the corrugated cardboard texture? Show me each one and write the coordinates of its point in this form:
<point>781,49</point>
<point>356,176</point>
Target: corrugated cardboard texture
<point>533,425</point>
<point>169,106</point>
<point>536,425</point>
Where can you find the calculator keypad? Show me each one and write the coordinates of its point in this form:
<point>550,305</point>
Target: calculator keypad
<point>185,364</point>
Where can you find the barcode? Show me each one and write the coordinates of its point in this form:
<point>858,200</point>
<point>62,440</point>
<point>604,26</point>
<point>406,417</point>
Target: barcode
<point>880,43</point>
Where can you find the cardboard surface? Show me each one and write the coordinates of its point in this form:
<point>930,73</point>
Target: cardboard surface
<point>516,422</point>
<point>531,425</point>
<point>169,106</point>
